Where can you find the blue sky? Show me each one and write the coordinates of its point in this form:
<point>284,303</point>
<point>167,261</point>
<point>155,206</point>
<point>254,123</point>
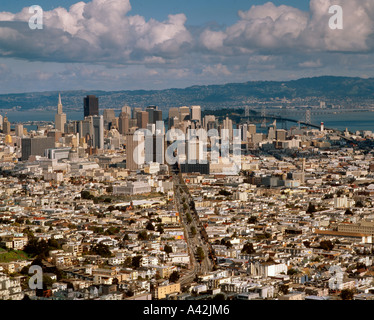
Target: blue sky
<point>197,11</point>
<point>158,44</point>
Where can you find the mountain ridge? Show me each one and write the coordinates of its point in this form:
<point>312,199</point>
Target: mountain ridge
<point>333,89</point>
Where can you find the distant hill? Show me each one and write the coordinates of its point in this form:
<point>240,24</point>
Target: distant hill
<point>231,95</point>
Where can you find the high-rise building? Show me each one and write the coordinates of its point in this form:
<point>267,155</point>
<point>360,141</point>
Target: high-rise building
<point>60,117</point>
<point>98,132</point>
<point>155,144</point>
<point>280,135</point>
<point>19,130</point>
<point>207,119</point>
<point>196,113</point>
<point>6,126</point>
<point>109,118</point>
<point>127,110</point>
<point>184,113</point>
<point>227,126</point>
<point>252,128</point>
<point>135,112</point>
<point>142,119</point>
<point>91,106</point>
<point>36,146</point>
<point>123,123</point>
<point>154,114</point>
<point>173,113</point>
<point>134,150</point>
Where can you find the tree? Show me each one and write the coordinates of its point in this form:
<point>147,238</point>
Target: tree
<point>128,262</point>
<point>348,212</point>
<point>311,208</point>
<point>248,248</point>
<point>193,231</point>
<point>326,245</point>
<point>143,235</point>
<point>160,228</point>
<point>219,296</point>
<point>126,237</point>
<point>347,294</point>
<point>101,250</point>
<point>200,254</point>
<point>359,204</point>
<point>306,244</point>
<point>168,249</point>
<point>150,226</point>
<point>292,271</point>
<point>136,261</point>
<point>174,277</point>
<point>283,288</point>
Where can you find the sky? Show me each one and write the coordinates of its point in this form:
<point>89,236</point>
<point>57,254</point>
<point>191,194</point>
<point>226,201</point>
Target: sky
<point>157,44</point>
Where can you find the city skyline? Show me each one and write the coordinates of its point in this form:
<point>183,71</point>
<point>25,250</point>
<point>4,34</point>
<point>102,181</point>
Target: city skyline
<point>133,45</point>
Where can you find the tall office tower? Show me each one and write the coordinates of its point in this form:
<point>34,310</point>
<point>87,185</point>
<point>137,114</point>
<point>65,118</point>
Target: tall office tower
<point>173,122</point>
<point>36,146</point>
<point>154,149</point>
<point>173,113</point>
<point>134,150</point>
<point>154,114</point>
<point>19,130</point>
<point>150,110</point>
<point>271,133</point>
<point>244,132</point>
<point>196,113</point>
<point>155,143</point>
<point>135,112</point>
<point>252,128</point>
<point>109,118</point>
<point>98,132</point>
<point>126,109</point>
<point>184,113</point>
<point>85,129</point>
<point>142,119</point>
<point>6,126</point>
<point>133,123</point>
<point>60,117</point>
<point>91,106</point>
<point>1,121</point>
<point>280,134</point>
<point>123,122</point>
<point>207,119</point>
<point>227,125</point>
<point>195,151</point>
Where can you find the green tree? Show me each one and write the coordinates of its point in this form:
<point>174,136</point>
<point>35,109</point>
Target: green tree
<point>347,294</point>
<point>219,296</point>
<point>326,245</point>
<point>174,277</point>
<point>136,261</point>
<point>168,249</point>
<point>248,248</point>
<point>348,212</point>
<point>200,254</point>
<point>284,288</point>
<point>150,226</point>
<point>193,231</point>
<point>311,208</point>
<point>101,250</point>
<point>143,235</point>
